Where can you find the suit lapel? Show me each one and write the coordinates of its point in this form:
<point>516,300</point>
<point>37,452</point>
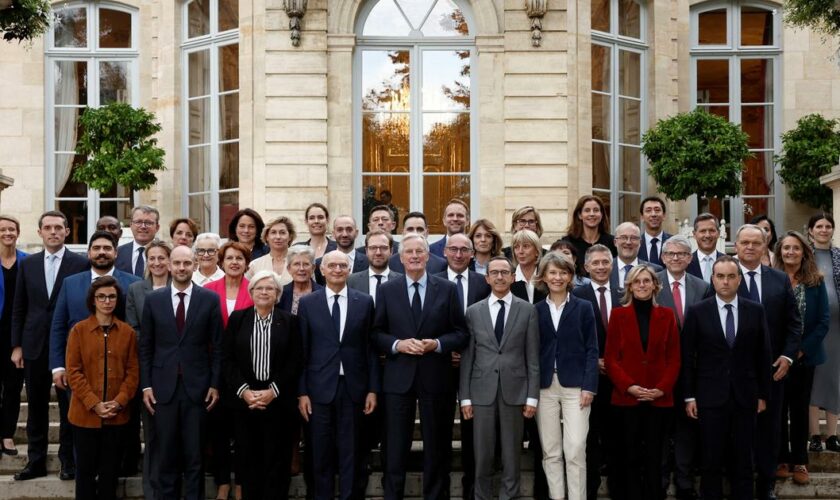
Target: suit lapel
<point>512,318</point>
<point>431,292</point>
<point>195,303</point>
<point>487,321</point>
<point>352,312</point>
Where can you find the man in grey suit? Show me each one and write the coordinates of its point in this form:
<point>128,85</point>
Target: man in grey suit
<point>504,338</point>
<point>680,290</point>
<point>378,244</point>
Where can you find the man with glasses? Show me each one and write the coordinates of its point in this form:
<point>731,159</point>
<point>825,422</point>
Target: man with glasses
<point>525,217</point>
<point>627,241</point>
<point>653,212</point>
<point>456,218</point>
<point>131,257</point>
<point>382,217</point>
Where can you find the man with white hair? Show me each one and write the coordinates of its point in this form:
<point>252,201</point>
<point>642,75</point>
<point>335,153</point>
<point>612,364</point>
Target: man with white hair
<point>628,240</point>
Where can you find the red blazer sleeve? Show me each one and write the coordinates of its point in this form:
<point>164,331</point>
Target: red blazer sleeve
<point>668,325</point>
<point>614,356</point>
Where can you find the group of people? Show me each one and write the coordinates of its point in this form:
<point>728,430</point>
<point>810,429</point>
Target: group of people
<point>625,354</point>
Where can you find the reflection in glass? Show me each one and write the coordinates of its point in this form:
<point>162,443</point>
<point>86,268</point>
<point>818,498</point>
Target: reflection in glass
<point>385,19</point>
<point>385,142</point>
<point>446,19</point>
<point>756,80</point>
<point>628,207</point>
<point>757,122</point>
<point>716,110</point>
<point>228,14</point>
<point>65,187</point>
<point>114,83</point>
<point>631,120</point>
<point>600,165</point>
<point>229,67</point>
<point>712,27</point>
<point>199,173</point>
<point>712,81</point>
<point>758,205</point>
<point>198,18</point>
<point>119,208</point>
<point>67,128</point>
<point>629,18</point>
<point>70,27</point>
<point>600,11</point>
<point>76,212</point>
<point>390,190</point>
<point>446,142</point>
<point>630,166</point>
<point>199,210</point>
<point>756,26</point>
<point>446,80</point>
<point>415,11</point>
<point>229,165</point>
<point>229,116</point>
<point>437,189</point>
<point>228,206</point>
<point>601,68</point>
<point>114,29</point>
<point>601,123</point>
<point>385,80</point>
<point>199,73</point>
<point>70,82</point>
<point>758,174</point>
<point>199,121</point>
<point>629,73</point>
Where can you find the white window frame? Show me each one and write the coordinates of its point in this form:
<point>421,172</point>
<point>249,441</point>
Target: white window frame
<point>416,46</point>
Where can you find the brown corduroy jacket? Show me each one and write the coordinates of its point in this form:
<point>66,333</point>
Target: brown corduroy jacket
<point>86,371</point>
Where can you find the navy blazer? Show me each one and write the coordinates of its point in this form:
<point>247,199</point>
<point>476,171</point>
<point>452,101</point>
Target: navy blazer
<point>323,352</point>
<point>519,289</point>
<point>435,265</point>
<point>712,372</point>
<point>442,319</point>
<point>643,254</point>
<point>360,263</point>
<point>123,262</point>
<point>33,310</point>
<point>195,354</point>
<point>815,325</point>
<point>571,346</point>
<point>287,297</point>
<point>586,292</point>
<point>477,287</point>
<point>18,257</point>
<point>694,266</point>
<point>71,308</point>
<point>782,313</point>
<point>614,273</point>
<point>437,247</point>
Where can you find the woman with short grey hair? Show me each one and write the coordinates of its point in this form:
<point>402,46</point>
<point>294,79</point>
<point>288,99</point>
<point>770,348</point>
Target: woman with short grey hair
<point>206,247</point>
<point>300,264</point>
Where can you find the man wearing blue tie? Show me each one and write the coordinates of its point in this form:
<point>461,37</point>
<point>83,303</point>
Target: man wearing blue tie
<point>628,240</point>
<point>652,210</point>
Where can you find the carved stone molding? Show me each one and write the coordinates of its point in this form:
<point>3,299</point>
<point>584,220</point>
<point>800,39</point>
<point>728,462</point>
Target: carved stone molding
<point>295,9</point>
<point>536,9</point>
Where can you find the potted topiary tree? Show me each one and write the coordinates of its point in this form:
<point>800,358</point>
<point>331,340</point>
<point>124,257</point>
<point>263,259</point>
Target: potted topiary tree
<point>696,153</point>
<point>118,142</point>
<point>809,151</point>
<point>24,20</point>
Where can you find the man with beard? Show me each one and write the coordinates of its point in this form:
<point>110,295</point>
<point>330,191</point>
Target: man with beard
<point>345,232</point>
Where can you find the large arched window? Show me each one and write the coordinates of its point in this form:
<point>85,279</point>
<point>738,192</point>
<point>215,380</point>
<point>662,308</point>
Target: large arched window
<point>735,73</point>
<point>619,105</point>
<point>91,60</point>
<point>414,107</point>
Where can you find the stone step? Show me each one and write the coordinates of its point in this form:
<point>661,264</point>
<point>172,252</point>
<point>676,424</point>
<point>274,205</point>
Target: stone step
<point>24,412</point>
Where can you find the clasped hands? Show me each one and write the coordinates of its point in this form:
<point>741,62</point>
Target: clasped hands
<point>258,400</point>
<point>416,347</point>
<point>643,394</point>
<point>107,409</point>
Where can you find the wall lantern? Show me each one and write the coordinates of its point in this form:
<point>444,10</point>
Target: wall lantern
<point>535,9</point>
<point>295,9</point>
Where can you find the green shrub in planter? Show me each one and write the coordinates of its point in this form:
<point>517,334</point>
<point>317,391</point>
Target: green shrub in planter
<point>809,151</point>
<point>25,20</point>
<point>120,148</point>
<point>696,153</point>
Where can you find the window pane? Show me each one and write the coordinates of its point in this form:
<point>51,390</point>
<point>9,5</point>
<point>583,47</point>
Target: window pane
<point>756,26</point>
<point>390,190</point>
<point>70,82</point>
<point>385,80</point>
<point>228,14</point>
<point>437,190</point>
<point>446,80</point>
<point>200,212</point>
<point>600,166</point>
<point>629,18</point>
<point>76,212</point>
<point>629,73</point>
<point>712,81</point>
<point>65,186</point>
<point>114,82</point>
<point>717,110</point>
<point>385,142</point>
<point>601,15</point>
<point>446,142</point>
<point>756,80</point>
<point>385,19</point>
<point>757,122</point>
<point>198,18</point>
<point>199,73</point>
<point>121,209</point>
<point>600,68</point>
<point>758,174</point>
<point>601,123</point>
<point>229,67</point>
<point>628,207</point>
<point>630,121</point>
<point>229,166</point>
<point>70,27</point>
<point>67,128</point>
<point>229,116</point>
<point>199,121</point>
<point>228,206</point>
<point>630,159</point>
<point>712,29</point>
<point>446,19</point>
<point>415,10</point>
<point>199,169</point>
<point>114,29</point>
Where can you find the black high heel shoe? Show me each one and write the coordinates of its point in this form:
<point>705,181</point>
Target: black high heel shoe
<point>8,451</point>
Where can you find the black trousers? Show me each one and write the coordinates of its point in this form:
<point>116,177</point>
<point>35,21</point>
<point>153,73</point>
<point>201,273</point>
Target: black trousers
<point>150,458</point>
<point>727,435</point>
<point>130,454</point>
<point>336,439</point>
<point>768,439</point>
<point>38,382</point>
<point>601,442</point>
<point>794,423</point>
<point>642,435</point>
<point>97,461</point>
<point>221,430</point>
<point>11,382</point>
<point>264,439</point>
<point>532,435</point>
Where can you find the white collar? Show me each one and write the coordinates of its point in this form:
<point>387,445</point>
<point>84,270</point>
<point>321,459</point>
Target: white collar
<point>721,303</point>
<point>372,273</point>
<point>452,274</point>
<point>671,279</point>
<point>507,299</point>
<point>701,255</point>
<point>331,294</point>
<point>596,286</point>
<point>94,276</point>
<point>188,291</point>
<point>59,254</point>
<point>744,270</point>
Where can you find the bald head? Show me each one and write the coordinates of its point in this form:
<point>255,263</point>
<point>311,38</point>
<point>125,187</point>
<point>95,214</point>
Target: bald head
<point>335,267</point>
<point>181,262</point>
<point>458,252</point>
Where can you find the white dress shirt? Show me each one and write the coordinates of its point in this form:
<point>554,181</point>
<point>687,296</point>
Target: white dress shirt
<point>59,256</point>
<point>702,259</point>
<point>372,281</point>
<point>747,280</point>
<point>622,275</point>
<point>607,296</point>
<point>176,299</point>
<point>94,276</point>
<point>721,305</point>
<point>646,238</point>
<point>681,281</point>
<point>342,313</point>
<point>529,287</point>
<point>465,283</point>
<point>352,259</point>
<point>135,254</point>
<point>201,280</point>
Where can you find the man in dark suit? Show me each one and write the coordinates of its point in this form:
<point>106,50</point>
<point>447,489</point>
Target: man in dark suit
<point>652,210</point>
<point>180,364</point>
<point>340,378</point>
<point>419,322</point>
<point>345,232</point>
<point>39,282</point>
<point>131,257</point>
<point>381,217</point>
<point>628,240</point>
<point>472,287</point>
<point>415,223</point>
<point>680,291</point>
<point>456,219</point>
<point>726,376</point>
<point>378,245</point>
<point>600,442</point>
<point>707,236</point>
<point>772,289</point>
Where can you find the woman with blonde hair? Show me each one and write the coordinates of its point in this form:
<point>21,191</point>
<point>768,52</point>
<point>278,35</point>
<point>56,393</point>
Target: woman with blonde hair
<point>279,233</point>
<point>526,217</point>
<point>487,243</point>
<point>526,256</point>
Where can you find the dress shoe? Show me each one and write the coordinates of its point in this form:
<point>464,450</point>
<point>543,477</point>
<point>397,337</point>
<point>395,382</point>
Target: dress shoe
<point>31,471</point>
<point>12,452</point>
<point>832,444</point>
<point>800,475</point>
<point>815,444</point>
<point>783,471</point>
<point>67,473</point>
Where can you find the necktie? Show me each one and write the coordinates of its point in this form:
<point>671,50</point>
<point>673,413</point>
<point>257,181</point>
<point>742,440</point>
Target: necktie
<point>499,328</point>
<point>378,282</point>
<point>140,265</point>
<point>336,316</point>
<point>730,325</point>
<point>675,291</point>
<point>627,269</point>
<point>460,285</point>
<point>416,306</point>
<point>180,313</point>
<point>50,274</point>
<point>753,291</point>
<point>707,269</point>
<point>654,252</point>
<point>602,305</point>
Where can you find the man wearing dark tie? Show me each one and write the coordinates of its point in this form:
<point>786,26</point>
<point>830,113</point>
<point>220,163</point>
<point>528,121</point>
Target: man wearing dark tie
<point>680,291</point>
<point>707,235</point>
<point>771,288</point>
<point>40,278</point>
<point>378,245</point>
<point>726,377</point>
<point>456,219</point>
<point>600,441</point>
<point>628,242</point>
<point>652,210</point>
<point>340,378</point>
<point>131,257</point>
<point>500,378</point>
<point>419,322</point>
<point>415,223</point>
<point>180,369</point>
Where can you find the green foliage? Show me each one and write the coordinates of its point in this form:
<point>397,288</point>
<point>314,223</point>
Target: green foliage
<point>809,151</point>
<point>25,20</point>
<point>117,140</point>
<point>696,153</point>
<point>818,15</point>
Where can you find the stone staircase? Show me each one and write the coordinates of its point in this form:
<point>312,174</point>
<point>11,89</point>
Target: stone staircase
<point>824,469</point>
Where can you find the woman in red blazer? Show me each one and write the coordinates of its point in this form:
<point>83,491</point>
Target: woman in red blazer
<point>643,360</point>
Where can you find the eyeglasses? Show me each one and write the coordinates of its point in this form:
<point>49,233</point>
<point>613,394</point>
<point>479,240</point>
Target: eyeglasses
<point>101,297</point>
<point>676,255</point>
<point>624,239</point>
<point>504,273</point>
<point>265,289</point>
<point>527,222</point>
<point>459,249</point>
<point>378,248</point>
<point>338,265</point>
<point>205,251</point>
<point>144,223</point>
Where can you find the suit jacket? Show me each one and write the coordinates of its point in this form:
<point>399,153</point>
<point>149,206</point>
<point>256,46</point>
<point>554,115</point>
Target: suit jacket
<point>434,266</point>
<point>135,299</point>
<point>286,356</point>
<point>324,352</point>
<point>124,254</point>
<point>442,319</point>
<point>33,310</point>
<point>508,370</point>
<point>614,273</point>
<point>360,263</point>
<point>437,247</point>
<point>71,308</point>
<point>628,364</point>
<point>570,347</point>
<point>288,295</point>
<point>18,257</point>
<point>714,373</point>
<point>361,282</point>
<point>782,313</point>
<point>331,245</point>
<point>477,287</point>
<point>694,266</point>
<point>816,321</point>
<point>243,298</point>
<point>195,353</point>
<point>643,253</point>
<point>695,290</point>
<point>519,289</point>
<point>586,292</point>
